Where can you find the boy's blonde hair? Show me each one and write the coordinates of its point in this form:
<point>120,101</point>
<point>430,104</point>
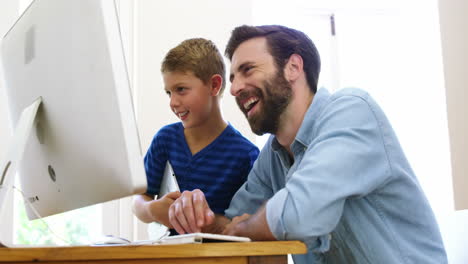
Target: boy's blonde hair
<point>196,55</point>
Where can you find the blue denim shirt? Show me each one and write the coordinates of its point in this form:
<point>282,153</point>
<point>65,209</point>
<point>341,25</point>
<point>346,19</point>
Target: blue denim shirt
<point>349,193</point>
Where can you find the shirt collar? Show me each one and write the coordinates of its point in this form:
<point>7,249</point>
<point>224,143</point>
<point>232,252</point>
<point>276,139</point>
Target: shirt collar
<point>303,135</point>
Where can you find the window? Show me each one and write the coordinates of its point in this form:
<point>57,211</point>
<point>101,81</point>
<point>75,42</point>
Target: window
<point>76,227</point>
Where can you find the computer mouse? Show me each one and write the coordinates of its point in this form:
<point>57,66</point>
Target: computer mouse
<point>111,240</point>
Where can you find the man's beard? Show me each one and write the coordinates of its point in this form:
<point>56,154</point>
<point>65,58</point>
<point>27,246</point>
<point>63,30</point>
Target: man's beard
<point>277,97</point>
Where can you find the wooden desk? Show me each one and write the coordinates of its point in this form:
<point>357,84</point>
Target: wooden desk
<point>207,253</point>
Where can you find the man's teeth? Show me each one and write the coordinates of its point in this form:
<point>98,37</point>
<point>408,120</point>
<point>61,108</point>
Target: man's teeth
<point>182,114</point>
<point>249,103</point>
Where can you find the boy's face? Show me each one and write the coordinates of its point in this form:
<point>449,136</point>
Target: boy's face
<point>190,99</point>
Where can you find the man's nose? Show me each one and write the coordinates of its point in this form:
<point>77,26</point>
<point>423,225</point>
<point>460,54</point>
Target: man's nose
<point>237,86</point>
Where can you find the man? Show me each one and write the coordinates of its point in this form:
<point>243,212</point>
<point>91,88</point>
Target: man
<point>332,174</point>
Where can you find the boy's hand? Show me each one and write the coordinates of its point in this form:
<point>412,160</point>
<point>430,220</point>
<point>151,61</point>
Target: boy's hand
<point>190,212</point>
<point>159,208</point>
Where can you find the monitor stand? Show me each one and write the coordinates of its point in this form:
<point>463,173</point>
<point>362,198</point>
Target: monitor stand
<point>14,154</point>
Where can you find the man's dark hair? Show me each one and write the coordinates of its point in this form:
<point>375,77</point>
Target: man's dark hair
<point>282,43</point>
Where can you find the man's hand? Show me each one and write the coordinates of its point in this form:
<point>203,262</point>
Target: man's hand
<point>253,226</point>
<point>158,209</point>
<point>190,212</point>
<point>233,228</point>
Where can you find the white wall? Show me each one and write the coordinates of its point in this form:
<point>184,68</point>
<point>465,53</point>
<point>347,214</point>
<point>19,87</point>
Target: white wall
<point>454,35</point>
<point>164,24</point>
<point>8,14</point>
<point>453,26</point>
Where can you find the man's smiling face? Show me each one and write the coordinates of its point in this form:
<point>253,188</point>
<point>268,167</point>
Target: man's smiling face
<point>262,93</point>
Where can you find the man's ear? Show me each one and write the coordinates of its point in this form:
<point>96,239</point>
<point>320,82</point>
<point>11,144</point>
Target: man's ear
<point>293,68</point>
<point>216,83</point>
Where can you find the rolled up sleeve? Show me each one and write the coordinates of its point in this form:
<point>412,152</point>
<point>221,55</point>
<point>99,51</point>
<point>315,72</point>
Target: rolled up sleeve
<point>254,192</point>
<point>274,211</point>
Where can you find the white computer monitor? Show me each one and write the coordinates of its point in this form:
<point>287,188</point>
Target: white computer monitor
<point>63,62</point>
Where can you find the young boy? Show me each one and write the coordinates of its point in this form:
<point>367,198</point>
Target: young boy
<point>205,152</point>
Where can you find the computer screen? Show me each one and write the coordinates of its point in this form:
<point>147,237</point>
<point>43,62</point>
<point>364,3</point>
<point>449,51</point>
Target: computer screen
<point>65,57</point>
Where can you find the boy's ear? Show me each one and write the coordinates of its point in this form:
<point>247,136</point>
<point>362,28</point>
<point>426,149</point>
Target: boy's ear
<point>215,84</point>
<point>293,68</point>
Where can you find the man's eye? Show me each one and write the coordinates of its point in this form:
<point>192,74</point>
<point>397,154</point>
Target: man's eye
<point>168,93</point>
<point>248,68</point>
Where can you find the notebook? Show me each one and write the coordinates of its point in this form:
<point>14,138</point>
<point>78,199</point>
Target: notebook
<point>169,181</point>
<point>194,238</point>
<point>201,238</point>
<point>168,184</point>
